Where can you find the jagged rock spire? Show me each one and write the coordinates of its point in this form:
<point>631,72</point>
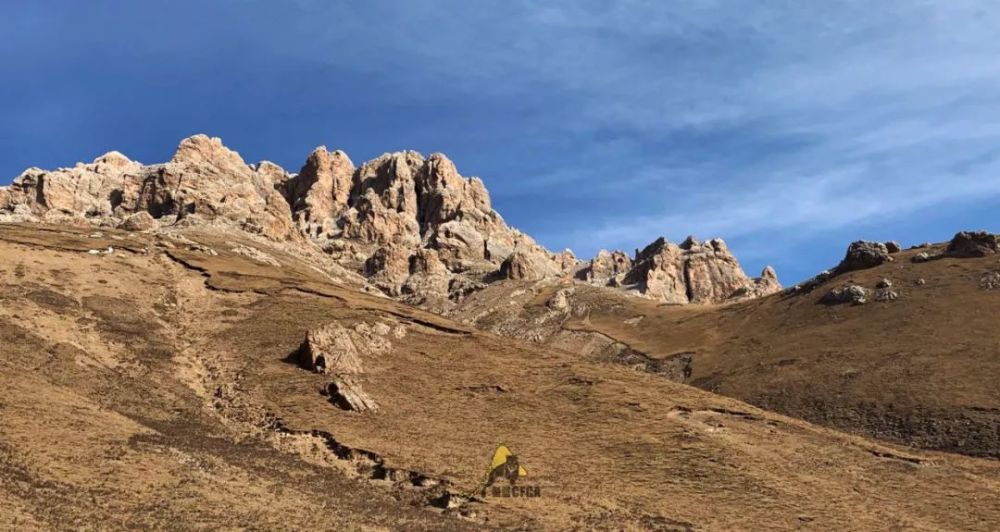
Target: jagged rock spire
<point>414,225</point>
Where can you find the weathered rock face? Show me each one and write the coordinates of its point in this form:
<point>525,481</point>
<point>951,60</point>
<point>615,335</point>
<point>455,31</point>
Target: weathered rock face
<point>428,278</point>
<point>659,272</point>
<point>532,263</point>
<point>713,274</point>
<point>607,268</point>
<point>388,268</point>
<point>207,180</point>
<point>339,351</point>
<point>518,266</point>
<point>972,244</point>
<point>87,190</point>
<point>392,210</point>
<point>203,180</point>
<point>331,349</point>
<point>567,261</point>
<point>320,190</point>
<point>414,226</point>
<point>761,286</point>
<point>692,272</point>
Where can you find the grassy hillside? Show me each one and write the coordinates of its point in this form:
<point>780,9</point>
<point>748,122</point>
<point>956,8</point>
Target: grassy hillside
<point>158,386</point>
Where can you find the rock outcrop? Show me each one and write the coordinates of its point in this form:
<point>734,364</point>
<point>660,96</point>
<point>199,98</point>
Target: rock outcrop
<point>330,349</point>
<point>321,188</point>
<point>967,244</point>
<point>862,255</point>
<point>415,227</point>
<point>348,395</point>
<point>526,267</point>
<point>204,180</point>
<point>690,272</point>
<point>340,351</point>
<point>607,268</point>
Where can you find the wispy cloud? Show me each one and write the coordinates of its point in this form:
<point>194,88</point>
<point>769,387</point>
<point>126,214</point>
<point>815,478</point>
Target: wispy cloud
<point>595,123</point>
<point>858,112</point>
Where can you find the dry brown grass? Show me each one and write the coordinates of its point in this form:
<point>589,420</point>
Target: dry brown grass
<point>196,419</point>
<point>921,370</point>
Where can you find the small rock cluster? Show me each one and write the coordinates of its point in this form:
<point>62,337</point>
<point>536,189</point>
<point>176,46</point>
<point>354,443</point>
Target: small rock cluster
<point>859,295</point>
<point>852,293</point>
<point>990,280</point>
<point>884,291</point>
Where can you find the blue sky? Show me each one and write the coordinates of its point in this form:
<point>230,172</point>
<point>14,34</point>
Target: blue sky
<point>787,128</point>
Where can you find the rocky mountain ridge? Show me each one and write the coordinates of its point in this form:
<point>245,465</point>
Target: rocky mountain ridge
<point>413,226</point>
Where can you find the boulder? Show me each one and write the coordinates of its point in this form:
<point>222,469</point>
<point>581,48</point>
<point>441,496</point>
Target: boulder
<point>347,394</point>
<point>893,247</point>
<point>852,293</point>
<point>862,255</point>
<point>140,221</point>
<point>968,244</point>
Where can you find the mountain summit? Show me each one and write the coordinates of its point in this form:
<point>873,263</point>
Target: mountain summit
<point>414,227</point>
